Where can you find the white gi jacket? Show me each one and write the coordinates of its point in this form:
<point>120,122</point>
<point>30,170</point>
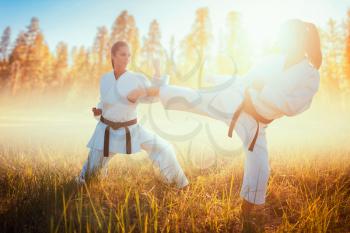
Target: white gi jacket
<point>286,92</point>
<point>116,107</point>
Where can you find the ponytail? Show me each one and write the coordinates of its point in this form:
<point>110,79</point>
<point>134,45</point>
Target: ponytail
<point>313,46</point>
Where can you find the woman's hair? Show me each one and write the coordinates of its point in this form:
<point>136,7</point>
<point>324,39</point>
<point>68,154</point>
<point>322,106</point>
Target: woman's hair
<point>300,36</point>
<point>115,47</point>
<point>313,45</point>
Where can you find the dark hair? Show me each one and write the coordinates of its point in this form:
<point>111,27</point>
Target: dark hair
<point>306,39</point>
<point>115,47</point>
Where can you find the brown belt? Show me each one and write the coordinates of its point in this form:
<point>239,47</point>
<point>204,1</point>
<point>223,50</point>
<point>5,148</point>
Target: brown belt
<point>117,125</point>
<point>248,107</point>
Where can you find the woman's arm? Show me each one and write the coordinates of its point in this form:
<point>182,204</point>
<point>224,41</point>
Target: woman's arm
<point>134,95</point>
<point>139,93</point>
<point>97,111</point>
<point>149,92</point>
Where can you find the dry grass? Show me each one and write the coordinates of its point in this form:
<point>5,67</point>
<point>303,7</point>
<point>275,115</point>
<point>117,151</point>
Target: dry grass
<point>309,186</point>
<point>308,192</point>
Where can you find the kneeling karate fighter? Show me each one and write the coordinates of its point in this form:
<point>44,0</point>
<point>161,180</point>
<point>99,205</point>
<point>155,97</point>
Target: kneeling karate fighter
<point>118,130</point>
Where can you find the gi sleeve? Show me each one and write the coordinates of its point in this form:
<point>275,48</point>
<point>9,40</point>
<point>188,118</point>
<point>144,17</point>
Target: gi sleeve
<point>103,90</point>
<point>263,71</point>
<point>99,105</point>
<point>144,84</point>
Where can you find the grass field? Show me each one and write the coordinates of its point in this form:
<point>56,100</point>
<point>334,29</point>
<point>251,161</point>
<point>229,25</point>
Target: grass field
<point>42,151</point>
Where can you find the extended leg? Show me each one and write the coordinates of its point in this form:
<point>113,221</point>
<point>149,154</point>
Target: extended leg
<point>218,103</point>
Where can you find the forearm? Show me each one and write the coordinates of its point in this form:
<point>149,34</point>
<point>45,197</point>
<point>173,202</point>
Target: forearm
<point>152,91</point>
<point>143,93</point>
<point>135,95</point>
<point>152,95</point>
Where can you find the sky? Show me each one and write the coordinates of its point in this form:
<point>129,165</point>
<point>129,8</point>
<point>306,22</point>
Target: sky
<point>75,21</point>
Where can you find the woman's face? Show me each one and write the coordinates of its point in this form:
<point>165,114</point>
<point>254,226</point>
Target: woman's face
<point>121,58</point>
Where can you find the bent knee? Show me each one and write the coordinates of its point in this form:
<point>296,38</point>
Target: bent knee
<point>162,146</point>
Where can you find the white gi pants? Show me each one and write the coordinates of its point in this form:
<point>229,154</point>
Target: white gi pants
<point>159,150</point>
<point>256,167</point>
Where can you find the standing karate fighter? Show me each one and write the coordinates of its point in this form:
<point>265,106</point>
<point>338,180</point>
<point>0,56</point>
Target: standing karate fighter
<point>283,87</point>
<point>118,130</point>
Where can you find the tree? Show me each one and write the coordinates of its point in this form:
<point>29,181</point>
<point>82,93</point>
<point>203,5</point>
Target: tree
<point>133,39</point>
<point>332,56</point>
<point>30,60</point>
<point>124,28</point>
<point>100,52</point>
<point>33,29</point>
<point>4,44</point>
<point>347,49</point>
<point>4,63</point>
<point>120,28</point>
<point>152,47</point>
<point>60,66</point>
<point>37,65</point>
<point>81,79</point>
<point>19,52</point>
<point>196,44</point>
<point>16,62</point>
<point>81,67</point>
<point>237,44</point>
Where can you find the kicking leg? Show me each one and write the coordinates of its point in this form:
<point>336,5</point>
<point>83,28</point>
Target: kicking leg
<point>218,103</point>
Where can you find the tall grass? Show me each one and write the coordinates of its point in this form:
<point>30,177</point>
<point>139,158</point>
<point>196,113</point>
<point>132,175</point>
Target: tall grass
<point>309,192</point>
<point>42,150</point>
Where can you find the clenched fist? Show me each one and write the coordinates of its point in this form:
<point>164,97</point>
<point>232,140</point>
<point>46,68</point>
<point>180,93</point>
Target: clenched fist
<point>97,111</point>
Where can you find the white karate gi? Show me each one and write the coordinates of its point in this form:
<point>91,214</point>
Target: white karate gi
<point>117,108</point>
<point>286,92</point>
